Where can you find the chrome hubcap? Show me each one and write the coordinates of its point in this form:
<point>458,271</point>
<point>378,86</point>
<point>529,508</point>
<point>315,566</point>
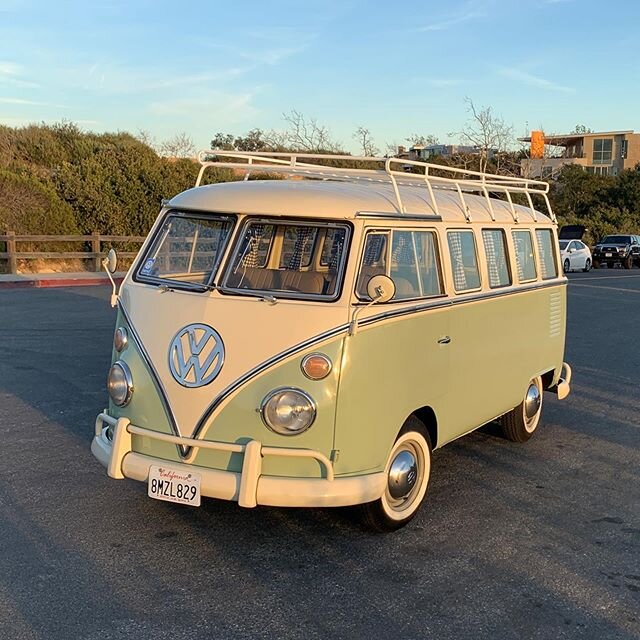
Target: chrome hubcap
<point>532,401</point>
<point>402,474</point>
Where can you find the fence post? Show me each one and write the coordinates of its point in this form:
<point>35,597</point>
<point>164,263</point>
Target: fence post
<point>11,250</point>
<point>95,248</point>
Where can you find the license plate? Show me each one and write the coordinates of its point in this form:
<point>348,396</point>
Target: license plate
<point>174,486</point>
<point>608,255</point>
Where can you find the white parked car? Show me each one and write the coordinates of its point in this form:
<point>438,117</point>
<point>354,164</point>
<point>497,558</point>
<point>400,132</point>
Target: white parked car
<point>575,255</point>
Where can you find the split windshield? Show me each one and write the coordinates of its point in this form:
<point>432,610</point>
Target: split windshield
<point>289,259</point>
<point>187,249</point>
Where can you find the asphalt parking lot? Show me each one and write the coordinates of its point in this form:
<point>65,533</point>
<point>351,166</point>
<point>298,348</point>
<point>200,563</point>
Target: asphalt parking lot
<point>540,540</point>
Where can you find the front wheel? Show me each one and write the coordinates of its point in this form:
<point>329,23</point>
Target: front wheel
<point>566,266</point>
<point>520,423</point>
<point>628,263</point>
<point>407,477</point>
<point>587,265</point>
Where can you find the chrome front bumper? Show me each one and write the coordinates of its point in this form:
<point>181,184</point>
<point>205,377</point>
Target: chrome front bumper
<point>249,487</point>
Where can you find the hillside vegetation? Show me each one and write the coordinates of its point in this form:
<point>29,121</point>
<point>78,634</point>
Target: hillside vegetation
<point>60,180</point>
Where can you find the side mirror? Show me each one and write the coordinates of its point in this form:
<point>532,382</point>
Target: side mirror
<point>111,261</point>
<point>109,264</point>
<point>381,288</point>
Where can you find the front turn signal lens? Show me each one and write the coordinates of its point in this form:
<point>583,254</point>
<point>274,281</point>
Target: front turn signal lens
<point>316,366</point>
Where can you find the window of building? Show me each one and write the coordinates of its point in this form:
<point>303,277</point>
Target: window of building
<point>602,150</point>
<point>601,171</point>
<point>525,259</point>
<point>547,172</point>
<point>548,267</point>
<point>464,262</point>
<point>410,258</point>
<point>624,149</point>
<point>495,248</point>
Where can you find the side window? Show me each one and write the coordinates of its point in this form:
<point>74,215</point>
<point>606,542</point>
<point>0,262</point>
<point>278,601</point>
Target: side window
<point>374,261</point>
<point>464,262</point>
<point>410,258</point>
<point>525,260</point>
<point>495,247</point>
<point>414,265</point>
<point>548,268</point>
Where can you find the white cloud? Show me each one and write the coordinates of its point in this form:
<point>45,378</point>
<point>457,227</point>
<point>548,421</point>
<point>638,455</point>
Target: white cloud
<point>533,81</point>
<point>9,68</point>
<point>32,103</point>
<point>468,11</point>
<point>211,106</point>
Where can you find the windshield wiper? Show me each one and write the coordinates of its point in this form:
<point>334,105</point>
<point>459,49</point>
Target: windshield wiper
<point>241,292</point>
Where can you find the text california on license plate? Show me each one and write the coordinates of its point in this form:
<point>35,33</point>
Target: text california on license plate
<point>607,255</point>
<point>171,485</point>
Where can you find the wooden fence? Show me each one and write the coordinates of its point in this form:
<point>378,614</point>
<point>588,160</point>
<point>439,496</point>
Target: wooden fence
<point>93,249</point>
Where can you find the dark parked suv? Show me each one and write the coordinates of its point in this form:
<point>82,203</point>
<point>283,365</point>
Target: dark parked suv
<point>618,249</point>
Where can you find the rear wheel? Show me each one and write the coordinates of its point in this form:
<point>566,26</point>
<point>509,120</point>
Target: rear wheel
<point>596,264</point>
<point>587,265</point>
<point>566,266</point>
<point>407,477</point>
<point>520,423</point>
<point>628,263</point>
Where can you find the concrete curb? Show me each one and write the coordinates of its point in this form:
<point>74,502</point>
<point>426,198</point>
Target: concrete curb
<point>48,281</point>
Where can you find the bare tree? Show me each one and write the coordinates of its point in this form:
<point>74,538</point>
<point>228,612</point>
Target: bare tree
<point>367,146</point>
<point>486,131</point>
<point>180,146</point>
<point>306,134</point>
<point>417,139</point>
<point>145,137</point>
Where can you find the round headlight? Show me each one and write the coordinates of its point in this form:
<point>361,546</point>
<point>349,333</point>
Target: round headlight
<point>288,411</point>
<point>120,339</point>
<point>120,383</point>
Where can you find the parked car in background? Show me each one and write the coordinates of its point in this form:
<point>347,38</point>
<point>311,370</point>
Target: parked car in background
<point>617,249</point>
<point>575,255</point>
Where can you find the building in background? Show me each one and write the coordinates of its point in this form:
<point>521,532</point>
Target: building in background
<point>604,153</point>
<point>430,151</point>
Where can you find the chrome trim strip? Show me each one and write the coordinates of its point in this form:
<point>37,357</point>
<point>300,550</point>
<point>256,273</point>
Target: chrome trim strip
<point>155,378</point>
<point>450,302</point>
<point>399,216</point>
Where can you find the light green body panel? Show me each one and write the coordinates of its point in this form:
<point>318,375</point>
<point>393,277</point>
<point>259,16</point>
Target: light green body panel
<point>145,408</point>
<point>397,366</point>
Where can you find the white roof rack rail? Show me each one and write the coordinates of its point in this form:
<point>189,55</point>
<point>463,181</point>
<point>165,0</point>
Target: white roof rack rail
<point>396,171</point>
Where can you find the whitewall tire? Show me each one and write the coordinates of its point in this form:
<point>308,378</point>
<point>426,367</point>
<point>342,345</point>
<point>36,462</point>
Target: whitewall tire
<point>408,470</point>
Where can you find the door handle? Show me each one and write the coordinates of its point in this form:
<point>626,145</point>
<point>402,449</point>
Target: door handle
<point>445,340</point>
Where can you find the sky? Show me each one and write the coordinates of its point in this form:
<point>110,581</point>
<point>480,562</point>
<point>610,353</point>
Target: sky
<point>394,68</point>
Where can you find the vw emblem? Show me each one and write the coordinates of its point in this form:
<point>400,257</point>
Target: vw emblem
<point>196,355</point>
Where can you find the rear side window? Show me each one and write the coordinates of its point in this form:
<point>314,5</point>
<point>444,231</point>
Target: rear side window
<point>525,259</point>
<point>548,267</point>
<point>464,262</point>
<point>495,247</point>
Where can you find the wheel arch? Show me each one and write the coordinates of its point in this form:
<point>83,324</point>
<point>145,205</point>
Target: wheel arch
<point>427,416</point>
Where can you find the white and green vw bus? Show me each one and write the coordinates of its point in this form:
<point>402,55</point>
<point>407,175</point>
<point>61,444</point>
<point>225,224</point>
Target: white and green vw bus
<point>310,341</point>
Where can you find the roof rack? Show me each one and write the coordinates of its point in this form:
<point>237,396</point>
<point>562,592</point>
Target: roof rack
<point>396,171</point>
